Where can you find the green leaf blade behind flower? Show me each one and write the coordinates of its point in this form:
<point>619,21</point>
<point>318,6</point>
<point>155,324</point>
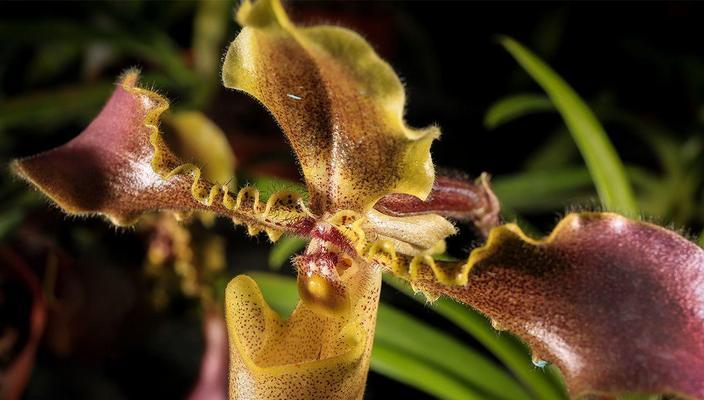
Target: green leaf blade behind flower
<point>283,250</point>
<point>505,347</point>
<point>602,160</point>
<point>417,339</point>
<point>408,345</point>
<point>542,190</point>
<point>512,107</point>
<point>386,361</point>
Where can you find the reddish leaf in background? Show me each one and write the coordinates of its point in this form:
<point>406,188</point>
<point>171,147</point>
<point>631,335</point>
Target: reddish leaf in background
<point>212,380</point>
<point>14,379</point>
<point>617,304</point>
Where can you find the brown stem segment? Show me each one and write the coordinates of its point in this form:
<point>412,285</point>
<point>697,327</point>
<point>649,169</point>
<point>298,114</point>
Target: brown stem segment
<point>454,198</point>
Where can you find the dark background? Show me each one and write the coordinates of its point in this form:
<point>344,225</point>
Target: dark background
<point>645,58</point>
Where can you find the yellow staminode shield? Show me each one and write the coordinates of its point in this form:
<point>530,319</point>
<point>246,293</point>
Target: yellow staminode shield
<point>309,355</point>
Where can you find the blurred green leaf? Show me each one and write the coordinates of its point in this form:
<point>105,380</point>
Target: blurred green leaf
<point>144,42</point>
<point>16,201</point>
<point>283,249</point>
<point>542,190</point>
<point>405,368</point>
<point>51,59</point>
<point>269,185</point>
<point>557,152</point>
<point>51,108</point>
<point>9,220</point>
<point>418,344</point>
<point>660,140</point>
<point>604,164</point>
<point>415,338</point>
<point>209,28</point>
<point>504,346</point>
<point>515,106</point>
<point>280,292</point>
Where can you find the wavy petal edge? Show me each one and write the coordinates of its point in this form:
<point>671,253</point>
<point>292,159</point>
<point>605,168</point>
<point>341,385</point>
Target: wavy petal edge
<point>617,304</point>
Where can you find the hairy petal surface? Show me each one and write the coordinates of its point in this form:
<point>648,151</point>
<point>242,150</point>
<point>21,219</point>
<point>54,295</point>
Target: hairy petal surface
<point>617,304</point>
<point>338,103</point>
<point>311,354</point>
<point>121,166</point>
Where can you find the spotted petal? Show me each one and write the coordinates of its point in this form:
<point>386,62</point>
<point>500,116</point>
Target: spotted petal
<point>338,103</point>
<point>308,356</point>
<point>121,166</point>
<point>617,304</point>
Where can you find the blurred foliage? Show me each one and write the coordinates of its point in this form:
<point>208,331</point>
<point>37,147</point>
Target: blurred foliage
<point>58,64</point>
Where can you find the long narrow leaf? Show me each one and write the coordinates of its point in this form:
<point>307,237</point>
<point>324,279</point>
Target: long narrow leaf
<point>415,338</point>
<point>542,190</point>
<point>50,108</point>
<point>556,152</point>
<point>515,106</point>
<point>387,361</point>
<point>418,344</point>
<point>505,347</point>
<point>604,164</point>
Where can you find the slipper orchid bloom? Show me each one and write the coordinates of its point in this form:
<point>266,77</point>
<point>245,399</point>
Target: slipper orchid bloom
<point>617,304</point>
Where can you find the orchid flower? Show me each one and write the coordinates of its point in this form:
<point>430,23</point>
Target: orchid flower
<point>617,304</point>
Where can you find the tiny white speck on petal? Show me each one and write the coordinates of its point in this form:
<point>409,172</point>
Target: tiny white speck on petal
<point>147,103</point>
<point>293,96</point>
<point>576,223</point>
<point>617,224</point>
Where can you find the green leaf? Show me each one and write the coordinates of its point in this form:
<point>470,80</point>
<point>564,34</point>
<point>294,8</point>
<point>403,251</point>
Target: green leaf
<point>269,185</point>
<point>51,108</point>
<point>428,344</point>
<point>504,346</point>
<point>415,345</point>
<point>557,152</point>
<point>9,220</point>
<point>515,106</point>
<point>604,164</point>
<point>402,367</point>
<point>146,42</point>
<point>283,249</point>
<point>280,292</point>
<point>209,29</point>
<point>542,190</point>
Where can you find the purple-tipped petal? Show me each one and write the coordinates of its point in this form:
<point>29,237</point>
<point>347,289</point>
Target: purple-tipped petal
<point>121,166</point>
<point>617,304</point>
